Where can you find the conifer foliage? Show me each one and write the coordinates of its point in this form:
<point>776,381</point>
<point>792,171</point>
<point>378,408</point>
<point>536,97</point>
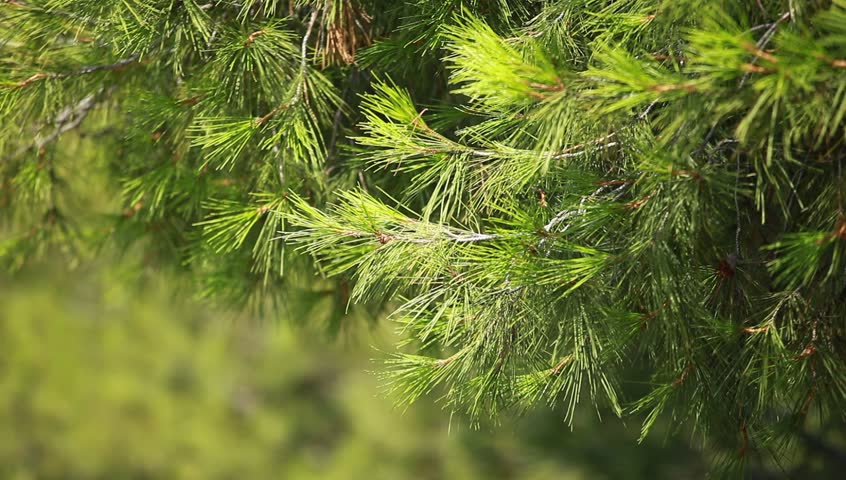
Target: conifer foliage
<point>549,196</point>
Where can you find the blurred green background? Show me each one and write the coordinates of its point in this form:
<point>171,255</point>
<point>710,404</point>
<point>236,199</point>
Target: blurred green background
<point>109,369</point>
<point>108,373</point>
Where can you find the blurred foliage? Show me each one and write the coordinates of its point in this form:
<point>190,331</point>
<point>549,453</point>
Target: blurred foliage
<point>107,374</point>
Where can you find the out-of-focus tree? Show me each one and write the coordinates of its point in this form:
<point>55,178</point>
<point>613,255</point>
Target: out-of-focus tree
<point>101,378</point>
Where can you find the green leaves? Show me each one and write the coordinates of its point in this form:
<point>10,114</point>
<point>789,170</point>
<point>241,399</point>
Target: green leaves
<point>634,83</point>
<point>223,140</point>
<point>229,226</point>
<point>385,248</point>
<point>803,258</point>
<point>497,76</point>
<point>402,141</point>
<point>281,102</point>
<point>254,66</point>
<point>231,222</point>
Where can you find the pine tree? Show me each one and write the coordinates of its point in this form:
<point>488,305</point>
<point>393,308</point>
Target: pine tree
<point>550,197</point>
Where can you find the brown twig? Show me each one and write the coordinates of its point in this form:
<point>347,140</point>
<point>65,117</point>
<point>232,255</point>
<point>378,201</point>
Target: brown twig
<point>260,121</point>
<point>762,43</point>
<point>560,365</point>
<point>684,375</point>
<point>383,238</point>
<point>119,65</point>
<point>759,53</point>
<point>252,37</point>
<point>691,173</point>
<point>745,438</point>
<point>639,203</point>
<point>446,361</point>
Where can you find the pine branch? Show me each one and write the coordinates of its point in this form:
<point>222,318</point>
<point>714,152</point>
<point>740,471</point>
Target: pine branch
<point>66,120</point>
<point>116,66</point>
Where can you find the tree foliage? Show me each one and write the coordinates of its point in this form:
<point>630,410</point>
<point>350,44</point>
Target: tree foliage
<point>103,376</point>
<point>552,196</point>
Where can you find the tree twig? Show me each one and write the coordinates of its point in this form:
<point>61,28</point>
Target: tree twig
<point>82,71</point>
<point>66,120</point>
